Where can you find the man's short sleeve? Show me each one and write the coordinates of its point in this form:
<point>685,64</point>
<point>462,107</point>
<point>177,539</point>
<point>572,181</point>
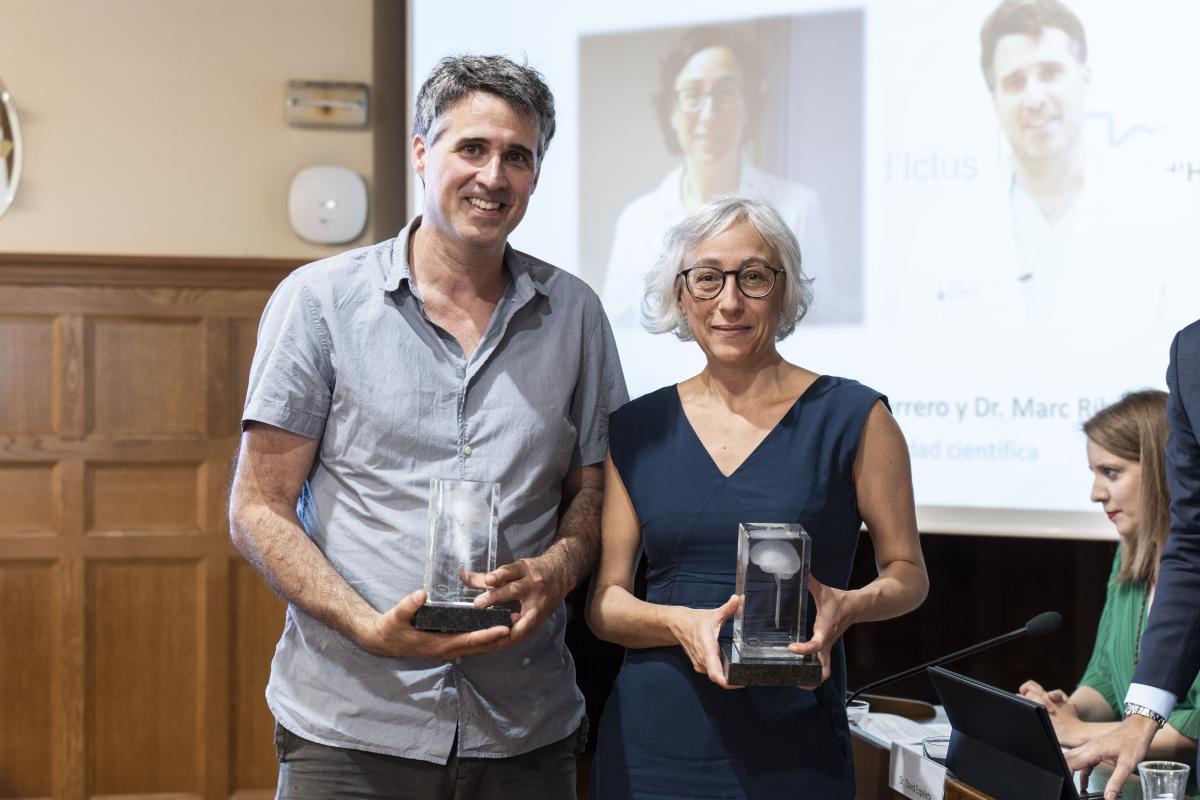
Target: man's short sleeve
<point>291,378</point>
<point>599,392</point>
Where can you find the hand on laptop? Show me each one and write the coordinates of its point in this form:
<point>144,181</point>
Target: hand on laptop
<point>1123,747</point>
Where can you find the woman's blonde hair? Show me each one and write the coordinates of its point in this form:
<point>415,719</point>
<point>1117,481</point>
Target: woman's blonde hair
<point>1135,428</point>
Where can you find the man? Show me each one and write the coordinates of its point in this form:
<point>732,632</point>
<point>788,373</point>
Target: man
<point>1049,239</point>
<point>442,353</point>
<point>1169,658</point>
<point>1034,60</point>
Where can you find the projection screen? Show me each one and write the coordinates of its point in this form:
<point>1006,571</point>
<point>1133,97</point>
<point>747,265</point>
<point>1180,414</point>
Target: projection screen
<point>872,128</point>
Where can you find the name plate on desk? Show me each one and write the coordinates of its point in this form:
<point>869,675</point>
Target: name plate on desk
<point>913,775</point>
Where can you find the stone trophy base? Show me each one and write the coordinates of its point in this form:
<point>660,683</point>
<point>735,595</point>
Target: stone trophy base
<point>757,671</point>
<point>460,618</point>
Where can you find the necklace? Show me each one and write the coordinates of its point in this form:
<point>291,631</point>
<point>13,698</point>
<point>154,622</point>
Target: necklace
<point>1137,638</point>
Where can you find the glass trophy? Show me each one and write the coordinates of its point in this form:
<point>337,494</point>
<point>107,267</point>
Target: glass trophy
<point>772,580</point>
<point>460,551</point>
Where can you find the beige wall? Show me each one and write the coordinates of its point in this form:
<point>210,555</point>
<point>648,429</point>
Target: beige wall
<point>156,127</point>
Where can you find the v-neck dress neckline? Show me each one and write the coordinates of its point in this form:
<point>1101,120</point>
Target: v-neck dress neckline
<point>691,429</point>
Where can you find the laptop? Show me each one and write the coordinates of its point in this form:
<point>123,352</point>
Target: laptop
<point>1002,743</point>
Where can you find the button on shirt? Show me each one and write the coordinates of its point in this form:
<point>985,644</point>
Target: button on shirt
<point>346,355</point>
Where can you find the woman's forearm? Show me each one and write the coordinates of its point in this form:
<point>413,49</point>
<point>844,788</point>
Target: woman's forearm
<point>900,587</point>
<point>1091,706</point>
<point>1172,745</point>
<point>617,616</point>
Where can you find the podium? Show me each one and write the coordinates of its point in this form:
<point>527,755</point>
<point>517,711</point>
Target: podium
<point>872,758</point>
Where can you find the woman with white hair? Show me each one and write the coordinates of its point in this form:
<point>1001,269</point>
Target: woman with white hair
<point>752,438</point>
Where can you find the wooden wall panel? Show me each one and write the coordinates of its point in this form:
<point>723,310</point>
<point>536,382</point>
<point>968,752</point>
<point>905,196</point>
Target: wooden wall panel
<point>143,676</point>
<point>134,643</point>
<point>143,498</point>
<point>143,376</point>
<point>68,404</point>
<point>27,499</point>
<point>256,622</point>
<point>27,627</point>
<point>26,355</point>
<point>217,376</point>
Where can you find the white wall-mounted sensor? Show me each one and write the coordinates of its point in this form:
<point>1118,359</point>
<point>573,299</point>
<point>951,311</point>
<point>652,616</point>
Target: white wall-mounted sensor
<point>328,205</point>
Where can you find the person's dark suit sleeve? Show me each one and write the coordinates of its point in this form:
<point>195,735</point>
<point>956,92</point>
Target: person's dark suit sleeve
<point>1170,653</point>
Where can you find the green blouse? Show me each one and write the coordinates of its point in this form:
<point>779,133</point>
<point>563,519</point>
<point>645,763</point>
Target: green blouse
<point>1111,669</point>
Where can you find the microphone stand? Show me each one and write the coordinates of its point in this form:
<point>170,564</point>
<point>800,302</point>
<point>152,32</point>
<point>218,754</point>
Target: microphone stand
<point>968,651</point>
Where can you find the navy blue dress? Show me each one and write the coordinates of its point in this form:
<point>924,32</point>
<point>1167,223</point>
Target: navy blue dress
<point>667,731</point>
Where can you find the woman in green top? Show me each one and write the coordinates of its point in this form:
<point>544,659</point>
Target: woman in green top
<point>1125,450</point>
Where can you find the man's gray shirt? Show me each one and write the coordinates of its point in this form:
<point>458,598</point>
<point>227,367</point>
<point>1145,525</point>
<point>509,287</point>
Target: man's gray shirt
<point>346,355</point>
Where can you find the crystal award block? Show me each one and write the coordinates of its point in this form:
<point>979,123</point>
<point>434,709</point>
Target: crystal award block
<point>460,551</point>
<point>772,581</point>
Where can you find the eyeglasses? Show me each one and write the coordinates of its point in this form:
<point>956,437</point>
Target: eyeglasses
<point>755,280</point>
<point>725,95</point>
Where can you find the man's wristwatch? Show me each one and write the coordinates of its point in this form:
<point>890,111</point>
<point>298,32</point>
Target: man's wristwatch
<point>1141,711</point>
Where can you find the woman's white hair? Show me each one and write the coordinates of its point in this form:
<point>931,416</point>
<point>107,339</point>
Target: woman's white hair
<point>660,304</point>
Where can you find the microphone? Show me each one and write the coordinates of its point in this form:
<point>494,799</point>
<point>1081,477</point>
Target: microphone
<point>1046,622</point>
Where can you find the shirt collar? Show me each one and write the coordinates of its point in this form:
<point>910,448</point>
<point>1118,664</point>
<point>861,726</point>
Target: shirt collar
<point>522,283</point>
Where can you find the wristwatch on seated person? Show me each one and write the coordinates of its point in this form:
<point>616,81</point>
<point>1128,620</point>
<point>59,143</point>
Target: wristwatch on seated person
<point>1141,711</point>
